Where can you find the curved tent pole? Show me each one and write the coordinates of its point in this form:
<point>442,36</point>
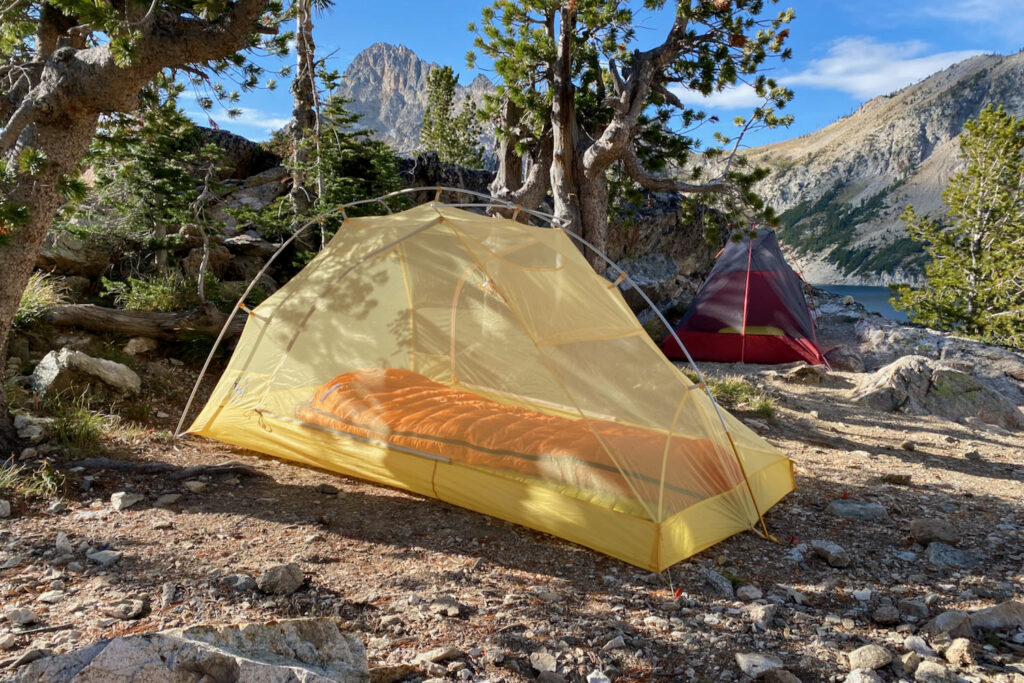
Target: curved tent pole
<point>491,201</point>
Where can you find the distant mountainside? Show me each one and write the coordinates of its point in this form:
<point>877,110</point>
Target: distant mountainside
<point>388,86</point>
<point>842,189</point>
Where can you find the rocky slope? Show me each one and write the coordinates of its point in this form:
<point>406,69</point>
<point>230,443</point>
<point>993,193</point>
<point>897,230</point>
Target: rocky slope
<point>842,189</point>
<point>388,87</point>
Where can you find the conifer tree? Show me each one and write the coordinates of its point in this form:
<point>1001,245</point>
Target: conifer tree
<point>975,279</point>
<point>454,136</point>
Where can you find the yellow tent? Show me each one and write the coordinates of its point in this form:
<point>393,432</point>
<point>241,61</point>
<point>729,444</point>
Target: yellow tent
<point>483,362</point>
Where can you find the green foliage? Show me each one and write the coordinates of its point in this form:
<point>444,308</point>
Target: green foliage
<point>43,482</point>
<point>454,136</point>
<point>42,292</point>
<point>166,292</point>
<point>738,393</point>
<point>976,273</point>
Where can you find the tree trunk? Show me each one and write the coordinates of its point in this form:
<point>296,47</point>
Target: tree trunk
<point>564,128</point>
<point>64,141</point>
<point>304,112</point>
<point>593,206</point>
<point>171,326</point>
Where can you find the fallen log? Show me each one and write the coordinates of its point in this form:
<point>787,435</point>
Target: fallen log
<point>205,321</point>
<point>173,472</point>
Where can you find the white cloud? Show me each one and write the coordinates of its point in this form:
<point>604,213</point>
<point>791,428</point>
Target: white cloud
<point>740,96</point>
<point>253,119</point>
<point>865,68</point>
<point>976,11</point>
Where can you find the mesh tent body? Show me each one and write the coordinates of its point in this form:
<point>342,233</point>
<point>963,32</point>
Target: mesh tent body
<point>751,309</point>
<point>482,362</point>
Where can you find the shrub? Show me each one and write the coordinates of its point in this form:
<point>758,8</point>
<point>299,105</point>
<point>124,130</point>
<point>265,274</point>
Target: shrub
<point>42,292</point>
<point>41,482</point>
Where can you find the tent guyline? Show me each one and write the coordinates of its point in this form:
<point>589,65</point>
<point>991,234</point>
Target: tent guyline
<point>516,407</point>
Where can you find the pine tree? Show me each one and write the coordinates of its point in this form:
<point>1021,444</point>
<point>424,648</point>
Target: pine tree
<point>454,136</point>
<point>975,279</point>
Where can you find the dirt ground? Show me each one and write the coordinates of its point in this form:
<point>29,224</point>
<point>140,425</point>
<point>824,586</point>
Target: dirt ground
<point>410,574</point>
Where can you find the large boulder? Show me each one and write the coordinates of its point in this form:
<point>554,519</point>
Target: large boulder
<point>60,370</point>
<point>655,274</point>
<point>255,193</point>
<point>308,650</point>
<point>242,157</point>
<point>919,386</point>
<point>67,254</point>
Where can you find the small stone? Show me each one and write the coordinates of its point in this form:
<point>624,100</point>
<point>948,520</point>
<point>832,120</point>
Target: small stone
<point>126,608</point>
<point>959,653</point>
<point>543,661</point>
<point>862,676</point>
<point>896,479</point>
<point>167,499</point>
<point>929,671</point>
<point>281,579</point>
<point>195,486</point>
<point>8,641</point>
<point>162,525</point>
<point>597,677</point>
<point>832,553</point>
<point>780,676</point>
<point>942,556</point>
<point>924,531</point>
<point>906,555</point>
<point>51,597</point>
<point>123,499</point>
<point>913,608</point>
<point>240,582</point>
<point>906,664</point>
<point>439,654</point>
<point>5,508</point>
<point>956,624</point>
<point>21,616</point>
<point>327,489</point>
<point>616,643</point>
<point>862,595</point>
<point>886,615</point>
<point>75,567</point>
<point>755,664</point>
<point>62,544</point>
<point>918,645</point>
<point>495,655</point>
<point>973,455</point>
<point>445,606</point>
<point>550,677</point>
<point>762,615</point>
<point>853,509</point>
<point>28,453</point>
<point>719,584</point>
<point>104,558</point>
<point>167,592</point>
<point>749,592</point>
<point>140,345</point>
<point>869,657</point>
<point>908,446</point>
<point>1002,617</point>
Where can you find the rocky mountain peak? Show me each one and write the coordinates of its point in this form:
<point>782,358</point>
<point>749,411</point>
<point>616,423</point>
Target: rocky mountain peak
<point>842,189</point>
<point>388,87</point>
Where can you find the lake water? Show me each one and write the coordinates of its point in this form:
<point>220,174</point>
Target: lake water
<point>875,299</point>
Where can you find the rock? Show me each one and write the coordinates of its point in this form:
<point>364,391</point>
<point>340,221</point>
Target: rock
<point>941,555</point>
<point>439,654</point>
<point>139,345</point>
<point>908,446</point>
<point>780,676</point>
<point>896,479</point>
<point>327,489</point>
<point>65,369</point>
<point>195,486</point>
<point>862,594</point>
<point>67,254</point>
<point>929,671</point>
<point>240,582</point>
<point>748,593</point>
<point>1002,617</point>
<point>845,360</point>
<point>853,509</point>
<point>761,615</point>
<point>906,664</point>
<point>959,653</point>
<point>597,677</point>
<point>167,592</point>
<point>806,374</point>
<point>167,499</point>
<point>445,606</point>
<point>247,244</point>
<point>886,615</point>
<point>916,385</point>
<point>31,428</point>
<point>310,650</point>
<point>8,641</point>
<point>719,584</point>
<point>21,616</point>
<point>869,656</point>
<point>549,677</point>
<point>956,624</point>
<point>924,531</point>
<point>51,597</point>
<point>281,579</point>
<point>62,544</point>
<point>832,553</point>
<point>863,676</point>
<point>756,665</point>
<point>104,558</point>
<point>543,661</point>
<point>5,508</point>
<point>913,608</point>
<point>918,645</point>
<point>122,499</point>
<point>393,673</point>
<point>616,643</point>
<point>126,608</point>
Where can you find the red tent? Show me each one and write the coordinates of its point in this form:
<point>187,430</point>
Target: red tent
<point>751,309</point>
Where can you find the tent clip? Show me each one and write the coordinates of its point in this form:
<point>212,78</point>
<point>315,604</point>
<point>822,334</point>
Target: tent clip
<point>245,308</point>
<point>515,214</point>
<point>619,280</point>
<point>437,197</point>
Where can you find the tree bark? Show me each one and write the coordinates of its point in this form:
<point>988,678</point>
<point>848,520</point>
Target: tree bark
<point>170,326</point>
<point>564,169</point>
<point>304,111</point>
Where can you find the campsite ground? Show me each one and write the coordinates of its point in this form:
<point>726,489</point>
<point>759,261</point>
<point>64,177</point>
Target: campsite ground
<point>411,574</point>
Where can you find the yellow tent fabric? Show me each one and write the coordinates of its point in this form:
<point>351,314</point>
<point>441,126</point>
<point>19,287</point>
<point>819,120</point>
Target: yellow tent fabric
<point>483,362</point>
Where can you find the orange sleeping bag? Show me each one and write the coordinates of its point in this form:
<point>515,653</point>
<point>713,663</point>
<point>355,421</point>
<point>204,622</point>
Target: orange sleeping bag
<point>410,411</point>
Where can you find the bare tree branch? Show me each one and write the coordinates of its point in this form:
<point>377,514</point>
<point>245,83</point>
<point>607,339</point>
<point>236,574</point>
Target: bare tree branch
<point>639,174</point>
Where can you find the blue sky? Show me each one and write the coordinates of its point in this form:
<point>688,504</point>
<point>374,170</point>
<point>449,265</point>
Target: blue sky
<point>844,53</point>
